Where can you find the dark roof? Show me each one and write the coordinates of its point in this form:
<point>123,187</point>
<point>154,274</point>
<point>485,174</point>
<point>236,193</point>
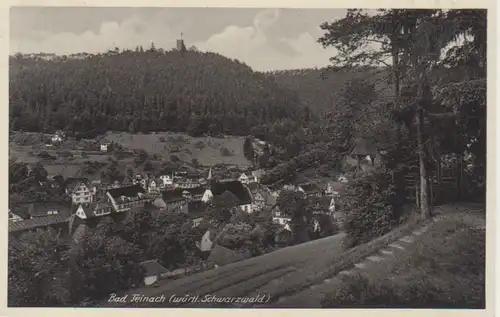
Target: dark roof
<point>270,199</point>
<point>152,267</point>
<point>234,187</point>
<point>202,228</point>
<point>89,208</point>
<point>196,208</point>
<point>221,256</point>
<point>22,210</point>
<point>127,191</point>
<point>311,188</point>
<point>173,195</point>
<point>253,186</point>
<point>338,187</point>
<point>41,209</point>
<point>37,223</point>
<point>71,182</point>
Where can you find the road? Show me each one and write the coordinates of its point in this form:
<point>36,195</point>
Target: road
<point>270,275</point>
<point>291,277</point>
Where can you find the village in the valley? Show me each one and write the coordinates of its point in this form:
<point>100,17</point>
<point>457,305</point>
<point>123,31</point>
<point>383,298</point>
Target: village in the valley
<point>313,169</point>
<point>86,201</point>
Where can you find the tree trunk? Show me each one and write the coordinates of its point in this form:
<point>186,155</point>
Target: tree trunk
<point>424,197</point>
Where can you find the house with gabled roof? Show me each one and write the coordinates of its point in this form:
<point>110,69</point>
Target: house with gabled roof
<point>204,236</point>
<point>125,198</point>
<point>153,271</point>
<point>94,209</point>
<point>221,256</point>
<point>364,149</point>
<point>80,190</point>
<point>311,189</point>
<point>57,222</point>
<point>196,211</point>
<point>236,188</point>
<point>279,217</point>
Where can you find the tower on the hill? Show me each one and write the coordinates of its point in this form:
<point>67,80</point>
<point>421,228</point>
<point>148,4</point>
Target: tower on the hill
<point>180,46</point>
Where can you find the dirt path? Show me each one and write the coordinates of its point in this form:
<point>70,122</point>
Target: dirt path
<point>471,214</point>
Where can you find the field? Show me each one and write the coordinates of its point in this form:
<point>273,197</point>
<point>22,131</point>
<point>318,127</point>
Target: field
<point>207,150</point>
<point>24,147</point>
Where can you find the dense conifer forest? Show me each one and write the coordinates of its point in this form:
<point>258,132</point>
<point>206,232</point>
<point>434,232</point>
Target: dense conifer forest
<point>142,91</point>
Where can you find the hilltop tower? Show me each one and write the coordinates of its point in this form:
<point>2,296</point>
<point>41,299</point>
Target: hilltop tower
<point>180,46</point>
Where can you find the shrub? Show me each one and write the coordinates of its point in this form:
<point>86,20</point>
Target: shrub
<point>199,145</point>
<point>195,161</point>
<point>369,203</point>
<point>174,158</point>
<point>225,152</point>
<point>162,139</point>
<point>175,148</point>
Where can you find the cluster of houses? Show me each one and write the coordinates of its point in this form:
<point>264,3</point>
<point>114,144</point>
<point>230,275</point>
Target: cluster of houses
<point>91,202</point>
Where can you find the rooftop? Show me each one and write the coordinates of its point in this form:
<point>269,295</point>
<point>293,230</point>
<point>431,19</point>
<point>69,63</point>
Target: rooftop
<point>222,256</point>
<point>36,223</point>
<point>152,267</point>
<point>127,191</point>
<point>234,187</point>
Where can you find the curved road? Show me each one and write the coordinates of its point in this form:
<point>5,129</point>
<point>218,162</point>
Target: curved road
<point>269,276</point>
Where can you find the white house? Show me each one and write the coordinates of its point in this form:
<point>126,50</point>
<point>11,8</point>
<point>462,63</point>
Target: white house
<point>58,137</point>
<point>203,236</point>
<point>342,179</point>
<point>207,196</point>
<point>153,271</point>
<point>14,217</point>
<point>79,190</point>
<point>167,180</point>
<point>87,211</point>
<point>104,147</point>
<point>125,198</point>
<point>246,178</point>
<point>231,188</point>
<point>257,175</point>
<point>154,186</point>
<point>281,218</point>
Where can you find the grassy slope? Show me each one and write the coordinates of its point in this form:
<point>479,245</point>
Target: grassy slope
<point>208,155</point>
<point>444,269</point>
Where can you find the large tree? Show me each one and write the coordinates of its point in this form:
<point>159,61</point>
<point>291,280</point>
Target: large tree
<point>38,270</point>
<point>414,39</point>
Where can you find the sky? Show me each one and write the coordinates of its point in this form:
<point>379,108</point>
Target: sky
<point>264,39</point>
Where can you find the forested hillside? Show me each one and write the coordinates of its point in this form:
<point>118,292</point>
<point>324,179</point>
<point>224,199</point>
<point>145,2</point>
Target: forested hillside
<point>145,91</point>
<point>321,88</point>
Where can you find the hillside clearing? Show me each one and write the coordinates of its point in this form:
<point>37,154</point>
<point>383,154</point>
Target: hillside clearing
<point>204,149</point>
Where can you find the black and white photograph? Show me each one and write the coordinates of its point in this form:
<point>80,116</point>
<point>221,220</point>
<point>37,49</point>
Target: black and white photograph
<point>223,157</point>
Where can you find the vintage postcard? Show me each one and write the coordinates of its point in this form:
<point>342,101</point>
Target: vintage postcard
<point>269,156</point>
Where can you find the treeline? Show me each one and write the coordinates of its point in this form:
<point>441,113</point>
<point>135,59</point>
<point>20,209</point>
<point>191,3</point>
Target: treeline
<point>287,170</point>
<point>142,91</point>
<point>320,88</point>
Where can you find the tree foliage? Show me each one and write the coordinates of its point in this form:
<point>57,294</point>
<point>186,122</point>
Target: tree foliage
<point>38,270</point>
<point>144,91</point>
